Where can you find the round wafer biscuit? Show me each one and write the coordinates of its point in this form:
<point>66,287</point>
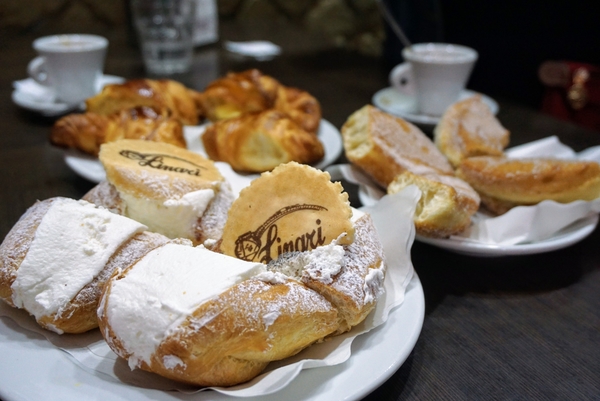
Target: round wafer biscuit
<point>293,208</point>
<point>157,170</point>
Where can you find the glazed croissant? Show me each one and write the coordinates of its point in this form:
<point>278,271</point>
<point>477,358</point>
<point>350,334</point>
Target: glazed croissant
<point>166,96</point>
<point>260,142</point>
<point>252,91</point>
<point>87,132</point>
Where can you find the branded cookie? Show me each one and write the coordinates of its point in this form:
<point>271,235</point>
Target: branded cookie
<point>173,191</point>
<point>293,208</point>
<point>156,170</point>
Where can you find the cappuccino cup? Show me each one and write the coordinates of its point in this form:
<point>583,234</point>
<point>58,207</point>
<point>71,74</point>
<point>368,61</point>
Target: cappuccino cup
<point>434,73</point>
<point>71,65</point>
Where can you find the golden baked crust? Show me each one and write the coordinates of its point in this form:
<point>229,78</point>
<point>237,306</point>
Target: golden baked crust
<point>79,314</point>
<point>236,344</point>
<point>385,146</point>
<point>237,94</point>
<point>469,128</point>
<point>260,142</point>
<point>446,204</point>
<point>293,208</point>
<point>88,131</point>
<point>240,93</point>
<point>530,181</point>
<point>167,97</point>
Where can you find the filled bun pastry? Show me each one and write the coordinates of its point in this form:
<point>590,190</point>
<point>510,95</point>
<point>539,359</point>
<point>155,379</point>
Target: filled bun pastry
<point>469,128</point>
<point>219,318</point>
<point>384,146</point>
<point>172,191</point>
<point>56,259</point>
<point>504,183</point>
<point>88,131</point>
<point>167,97</point>
<point>260,142</point>
<point>446,204</point>
<point>240,93</point>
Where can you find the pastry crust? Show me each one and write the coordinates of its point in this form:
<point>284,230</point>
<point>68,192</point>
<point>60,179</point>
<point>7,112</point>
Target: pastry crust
<point>251,91</point>
<point>88,131</point>
<point>504,183</point>
<point>167,97</point>
<point>469,128</point>
<point>260,142</point>
<point>78,314</point>
<point>446,204</point>
<point>385,146</point>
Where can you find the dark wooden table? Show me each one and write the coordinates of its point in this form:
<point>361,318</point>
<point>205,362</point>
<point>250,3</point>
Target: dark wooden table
<point>518,328</point>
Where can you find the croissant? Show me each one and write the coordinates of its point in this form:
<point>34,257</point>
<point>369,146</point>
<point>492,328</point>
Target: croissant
<point>260,142</point>
<point>252,91</point>
<point>166,96</point>
<point>87,131</point>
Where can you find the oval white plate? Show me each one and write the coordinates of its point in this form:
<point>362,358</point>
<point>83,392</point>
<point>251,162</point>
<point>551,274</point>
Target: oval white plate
<point>91,169</point>
<point>33,369</point>
<point>393,102</point>
<point>562,239</point>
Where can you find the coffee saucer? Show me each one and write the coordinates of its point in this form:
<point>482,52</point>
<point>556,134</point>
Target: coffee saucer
<point>32,96</point>
<point>392,101</point>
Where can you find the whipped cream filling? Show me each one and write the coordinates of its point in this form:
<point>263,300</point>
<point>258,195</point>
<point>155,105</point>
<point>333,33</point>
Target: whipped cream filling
<point>155,296</point>
<point>174,218</point>
<point>72,244</point>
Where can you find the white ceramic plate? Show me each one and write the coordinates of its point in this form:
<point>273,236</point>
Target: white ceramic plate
<point>393,102</point>
<point>564,238</point>
<point>33,369</point>
<point>50,109</point>
<point>91,169</point>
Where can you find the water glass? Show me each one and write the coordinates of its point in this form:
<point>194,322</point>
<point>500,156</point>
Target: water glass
<point>165,30</point>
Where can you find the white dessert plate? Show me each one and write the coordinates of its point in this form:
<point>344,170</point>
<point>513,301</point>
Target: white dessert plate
<point>33,369</point>
<point>392,101</point>
<point>562,239</point>
<point>91,169</point>
<point>54,108</point>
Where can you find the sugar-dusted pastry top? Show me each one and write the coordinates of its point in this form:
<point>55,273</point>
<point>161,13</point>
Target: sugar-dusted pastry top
<point>469,128</point>
<point>385,146</point>
<point>504,183</point>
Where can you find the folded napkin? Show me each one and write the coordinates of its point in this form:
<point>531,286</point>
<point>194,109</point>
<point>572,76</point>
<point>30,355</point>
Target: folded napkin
<point>520,225</point>
<point>35,91</point>
<point>258,49</point>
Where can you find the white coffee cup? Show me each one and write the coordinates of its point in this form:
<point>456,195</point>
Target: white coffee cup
<point>71,65</point>
<point>434,73</point>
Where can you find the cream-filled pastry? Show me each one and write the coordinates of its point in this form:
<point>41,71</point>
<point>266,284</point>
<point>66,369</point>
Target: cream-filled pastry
<point>173,191</point>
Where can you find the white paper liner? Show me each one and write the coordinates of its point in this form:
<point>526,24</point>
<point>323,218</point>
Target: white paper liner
<point>520,225</point>
<point>92,353</point>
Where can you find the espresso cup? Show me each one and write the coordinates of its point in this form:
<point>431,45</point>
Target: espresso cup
<point>434,73</point>
<point>71,65</point>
